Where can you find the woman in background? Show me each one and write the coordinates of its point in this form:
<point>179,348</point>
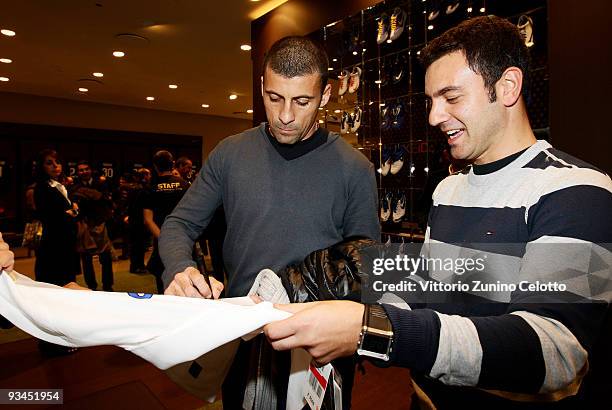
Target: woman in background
<point>57,260</point>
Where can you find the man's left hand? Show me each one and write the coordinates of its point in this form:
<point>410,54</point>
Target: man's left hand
<point>327,330</point>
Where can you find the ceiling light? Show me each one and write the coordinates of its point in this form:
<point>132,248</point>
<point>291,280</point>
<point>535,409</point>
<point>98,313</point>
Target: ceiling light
<point>83,90</point>
<point>6,32</point>
<point>233,96</point>
<point>389,41</point>
<point>245,47</point>
<point>377,81</point>
<point>482,10</point>
<point>98,75</point>
<point>469,9</point>
<point>6,60</point>
<point>173,86</point>
<point>330,68</point>
<point>355,53</point>
<point>4,79</point>
<point>360,148</point>
<point>320,108</point>
<point>205,106</point>
<point>118,53</point>
<point>321,121</point>
<point>249,111</point>
<point>337,111</point>
<point>334,59</point>
<point>150,98</point>
<point>430,27</point>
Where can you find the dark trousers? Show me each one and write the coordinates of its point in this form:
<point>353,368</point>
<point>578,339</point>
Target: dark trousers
<point>137,247</point>
<point>156,267</point>
<point>106,261</point>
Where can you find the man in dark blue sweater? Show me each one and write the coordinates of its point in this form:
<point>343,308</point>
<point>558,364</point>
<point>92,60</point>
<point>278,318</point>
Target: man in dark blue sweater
<point>541,217</point>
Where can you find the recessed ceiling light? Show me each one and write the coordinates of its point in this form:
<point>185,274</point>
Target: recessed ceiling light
<point>389,41</point>
<point>173,86</point>
<point>249,111</point>
<point>118,53</point>
<point>233,96</point>
<point>430,27</point>
<point>7,32</point>
<point>334,59</point>
<point>330,68</point>
<point>469,9</point>
<point>98,75</point>
<point>6,60</point>
<point>150,98</point>
<point>245,47</point>
<point>482,10</point>
<point>83,90</point>
<point>205,106</point>
<point>355,53</point>
<point>4,79</point>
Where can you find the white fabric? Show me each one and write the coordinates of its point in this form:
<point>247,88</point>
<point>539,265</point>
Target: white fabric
<point>164,330</point>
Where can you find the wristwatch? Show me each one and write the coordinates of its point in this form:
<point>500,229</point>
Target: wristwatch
<point>376,338</point>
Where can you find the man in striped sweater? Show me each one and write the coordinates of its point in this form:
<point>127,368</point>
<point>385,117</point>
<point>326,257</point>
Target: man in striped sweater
<point>527,349</point>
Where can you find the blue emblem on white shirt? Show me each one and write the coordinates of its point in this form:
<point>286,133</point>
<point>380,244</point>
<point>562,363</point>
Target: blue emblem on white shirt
<point>139,295</point>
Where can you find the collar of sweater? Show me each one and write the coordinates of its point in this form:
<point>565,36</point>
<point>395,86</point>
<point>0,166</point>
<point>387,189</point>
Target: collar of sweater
<point>519,162</point>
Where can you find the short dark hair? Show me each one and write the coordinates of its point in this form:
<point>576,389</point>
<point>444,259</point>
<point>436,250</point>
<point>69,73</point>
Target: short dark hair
<point>39,169</point>
<point>163,161</point>
<point>296,56</point>
<point>182,161</point>
<point>490,45</point>
<point>84,162</point>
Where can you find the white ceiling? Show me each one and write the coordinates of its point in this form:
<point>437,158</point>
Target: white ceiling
<point>192,43</point>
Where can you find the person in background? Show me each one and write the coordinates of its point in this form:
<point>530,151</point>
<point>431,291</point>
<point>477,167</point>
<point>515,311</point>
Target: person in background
<point>139,236</point>
<point>158,202</point>
<point>96,206</point>
<point>57,259</point>
<point>184,166</point>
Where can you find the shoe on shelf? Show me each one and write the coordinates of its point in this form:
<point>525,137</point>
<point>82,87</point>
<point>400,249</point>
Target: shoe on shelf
<point>398,112</point>
<point>398,21</point>
<point>400,67</point>
<point>343,80</point>
<point>344,123</point>
<point>525,26</point>
<point>384,73</point>
<point>399,208</point>
<point>356,119</point>
<point>397,159</point>
<point>385,162</point>
<point>452,7</point>
<point>385,207</point>
<point>382,33</point>
<point>354,80</point>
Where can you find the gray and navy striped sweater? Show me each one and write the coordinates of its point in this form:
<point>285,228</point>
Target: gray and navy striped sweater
<point>517,350</point>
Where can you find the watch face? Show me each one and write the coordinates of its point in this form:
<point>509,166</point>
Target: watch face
<point>374,343</point>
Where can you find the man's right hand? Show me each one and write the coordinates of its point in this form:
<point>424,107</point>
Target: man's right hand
<point>191,283</point>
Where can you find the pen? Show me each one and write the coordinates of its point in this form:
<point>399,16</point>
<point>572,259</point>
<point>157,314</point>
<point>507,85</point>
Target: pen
<point>202,266</point>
